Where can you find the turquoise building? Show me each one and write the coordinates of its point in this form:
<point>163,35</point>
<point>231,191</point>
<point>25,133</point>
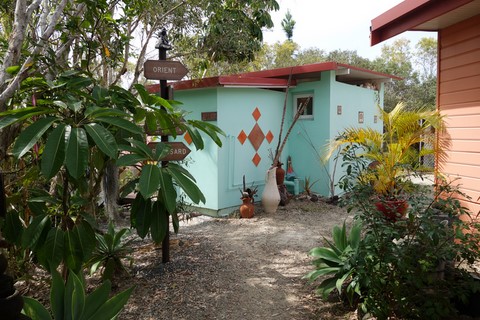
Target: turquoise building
<point>248,108</point>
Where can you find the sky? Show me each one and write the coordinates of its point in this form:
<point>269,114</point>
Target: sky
<point>335,24</point>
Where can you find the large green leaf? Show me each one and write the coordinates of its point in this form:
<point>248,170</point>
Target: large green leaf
<point>84,239</point>
<point>52,250</point>
<point>35,310</point>
<point>121,123</point>
<point>167,189</point>
<point>211,130</point>
<point>78,297</point>
<point>130,160</point>
<point>96,299</point>
<point>159,226</point>
<point>36,232</point>
<point>142,215</point>
<point>340,237</point>
<point>104,140</point>
<point>28,137</point>
<point>326,254</point>
<point>187,185</point>
<point>53,155</point>
<point>57,295</point>
<point>13,228</point>
<point>149,180</point>
<point>77,152</point>
<point>73,253</point>
<point>112,307</point>
<point>13,116</point>
<point>140,148</point>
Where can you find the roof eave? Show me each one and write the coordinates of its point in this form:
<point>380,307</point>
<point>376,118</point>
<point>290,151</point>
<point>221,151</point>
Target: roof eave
<point>409,14</point>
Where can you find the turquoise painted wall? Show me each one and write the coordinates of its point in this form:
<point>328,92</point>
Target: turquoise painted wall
<point>310,135</point>
<point>219,171</point>
<point>236,114</point>
<point>352,99</point>
<point>203,163</point>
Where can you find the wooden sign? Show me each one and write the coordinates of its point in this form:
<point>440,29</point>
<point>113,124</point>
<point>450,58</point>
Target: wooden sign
<point>164,70</point>
<point>209,116</point>
<point>178,151</point>
<point>159,132</point>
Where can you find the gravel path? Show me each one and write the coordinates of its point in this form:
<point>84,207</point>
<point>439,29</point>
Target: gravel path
<point>236,268</point>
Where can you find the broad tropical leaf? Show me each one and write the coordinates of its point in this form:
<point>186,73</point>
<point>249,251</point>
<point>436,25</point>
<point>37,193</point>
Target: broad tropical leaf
<point>57,295</point>
<point>169,195</point>
<point>72,254</point>
<point>54,153</point>
<point>77,152</point>
<point>130,160</point>
<point>96,299</point>
<point>13,228</point>
<point>104,140</point>
<point>142,215</point>
<point>187,185</point>
<point>159,226</point>
<point>121,123</point>
<point>52,250</point>
<point>325,253</point>
<point>35,310</point>
<point>112,307</point>
<point>28,137</point>
<point>149,180</point>
<point>36,231</point>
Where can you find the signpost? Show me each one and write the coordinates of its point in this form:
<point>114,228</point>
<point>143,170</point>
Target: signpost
<point>164,70</point>
<point>178,151</point>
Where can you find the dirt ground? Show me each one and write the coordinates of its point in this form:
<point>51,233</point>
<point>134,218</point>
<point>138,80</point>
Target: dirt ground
<point>231,268</point>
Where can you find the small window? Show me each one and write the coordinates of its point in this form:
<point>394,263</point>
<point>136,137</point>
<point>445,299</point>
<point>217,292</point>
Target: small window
<point>302,99</point>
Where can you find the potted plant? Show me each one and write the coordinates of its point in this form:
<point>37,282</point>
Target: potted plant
<point>247,208</point>
<point>392,154</point>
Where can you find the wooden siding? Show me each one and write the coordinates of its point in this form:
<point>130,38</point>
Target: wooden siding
<point>459,101</point>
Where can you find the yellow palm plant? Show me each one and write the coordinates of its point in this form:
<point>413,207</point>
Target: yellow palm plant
<point>393,150</point>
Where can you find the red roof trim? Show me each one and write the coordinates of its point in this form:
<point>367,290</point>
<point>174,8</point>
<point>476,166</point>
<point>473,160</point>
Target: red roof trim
<point>276,78</point>
<point>407,15</point>
<point>285,72</point>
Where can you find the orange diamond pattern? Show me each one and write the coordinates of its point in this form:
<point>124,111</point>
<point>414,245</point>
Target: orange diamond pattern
<point>256,137</point>
<point>256,114</point>
<point>188,138</point>
<point>269,136</point>
<point>256,159</point>
<point>242,136</point>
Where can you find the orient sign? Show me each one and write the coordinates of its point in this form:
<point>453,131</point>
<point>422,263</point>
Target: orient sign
<point>164,70</point>
<point>178,151</point>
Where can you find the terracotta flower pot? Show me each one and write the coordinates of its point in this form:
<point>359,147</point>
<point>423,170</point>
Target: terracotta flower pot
<point>392,209</point>
<point>247,208</point>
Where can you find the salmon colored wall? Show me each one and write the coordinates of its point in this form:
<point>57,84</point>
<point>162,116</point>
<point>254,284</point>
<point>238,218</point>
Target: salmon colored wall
<point>459,101</point>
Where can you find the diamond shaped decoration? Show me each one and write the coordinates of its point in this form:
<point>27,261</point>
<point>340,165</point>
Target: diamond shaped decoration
<point>269,136</point>
<point>256,114</point>
<point>256,137</point>
<point>188,138</point>
<point>242,136</point>
<point>256,159</point>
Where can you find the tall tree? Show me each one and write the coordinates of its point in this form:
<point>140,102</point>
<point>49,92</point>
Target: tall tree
<point>47,37</point>
<point>288,24</point>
